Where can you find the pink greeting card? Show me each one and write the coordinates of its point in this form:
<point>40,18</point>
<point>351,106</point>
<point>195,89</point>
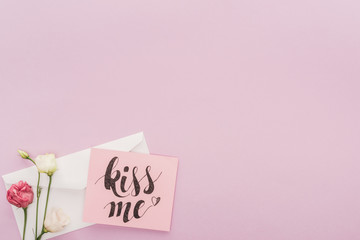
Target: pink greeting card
<point>130,189</point>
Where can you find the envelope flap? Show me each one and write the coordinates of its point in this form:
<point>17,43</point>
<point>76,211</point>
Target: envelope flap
<point>27,174</point>
<point>73,168</point>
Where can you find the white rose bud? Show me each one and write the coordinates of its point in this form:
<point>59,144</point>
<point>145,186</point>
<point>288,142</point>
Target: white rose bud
<point>46,163</point>
<point>56,220</point>
<point>23,154</point>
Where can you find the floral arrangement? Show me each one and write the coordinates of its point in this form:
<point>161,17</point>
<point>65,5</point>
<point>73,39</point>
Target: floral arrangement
<point>21,195</point>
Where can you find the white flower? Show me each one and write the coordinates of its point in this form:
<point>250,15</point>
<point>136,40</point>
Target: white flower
<point>46,163</point>
<point>56,220</point>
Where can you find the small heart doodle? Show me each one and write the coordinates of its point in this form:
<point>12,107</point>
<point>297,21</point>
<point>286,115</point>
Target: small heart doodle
<point>155,200</point>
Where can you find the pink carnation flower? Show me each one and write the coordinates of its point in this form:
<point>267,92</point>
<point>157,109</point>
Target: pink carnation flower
<point>20,194</point>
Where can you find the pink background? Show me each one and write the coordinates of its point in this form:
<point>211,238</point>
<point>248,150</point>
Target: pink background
<point>265,94</point>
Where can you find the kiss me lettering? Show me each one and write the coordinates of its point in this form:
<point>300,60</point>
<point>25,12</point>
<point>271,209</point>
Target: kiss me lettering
<point>118,183</point>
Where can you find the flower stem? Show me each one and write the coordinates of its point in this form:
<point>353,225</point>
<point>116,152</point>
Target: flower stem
<point>31,160</point>
<point>38,191</point>
<point>46,205</point>
<point>42,233</point>
<point>25,220</point>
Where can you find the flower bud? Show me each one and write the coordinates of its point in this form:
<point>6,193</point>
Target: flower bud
<point>23,154</point>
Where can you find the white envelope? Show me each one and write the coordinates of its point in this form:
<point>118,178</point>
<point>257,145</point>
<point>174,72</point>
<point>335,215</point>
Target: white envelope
<point>68,185</point>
